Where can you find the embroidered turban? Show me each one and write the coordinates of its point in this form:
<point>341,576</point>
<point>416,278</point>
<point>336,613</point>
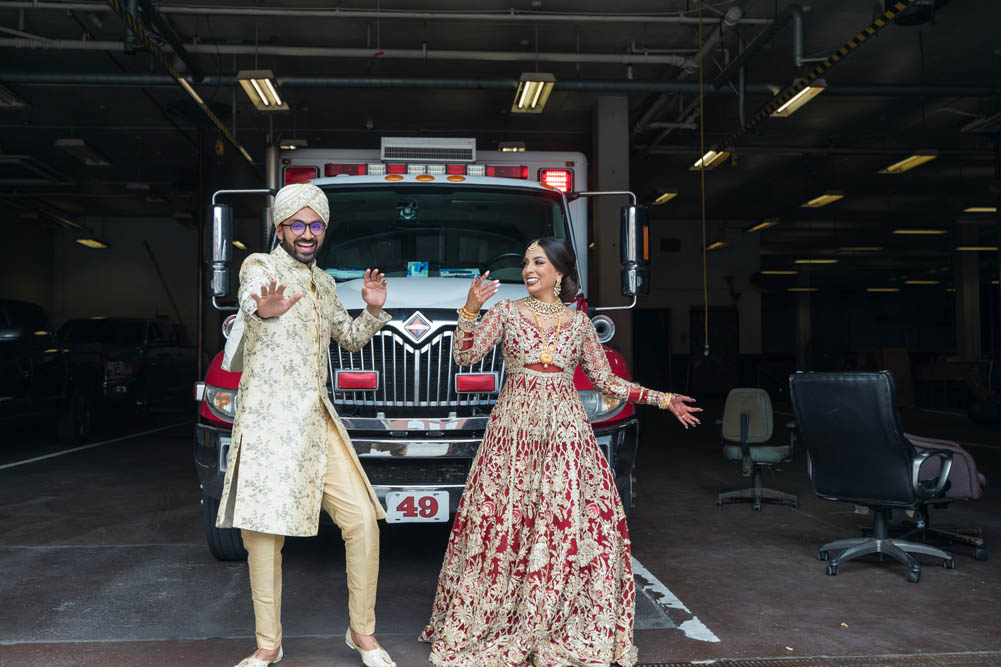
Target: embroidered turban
<point>296,196</point>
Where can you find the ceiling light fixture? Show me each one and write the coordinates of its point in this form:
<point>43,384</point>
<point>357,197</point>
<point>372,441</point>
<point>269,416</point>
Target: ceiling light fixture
<point>9,100</point>
<point>779,272</point>
<point>763,225</point>
<point>922,282</point>
<point>799,99</point>
<point>977,248</point>
<point>920,232</point>
<point>816,261</point>
<point>716,245</point>
<point>81,151</point>
<point>823,200</point>
<point>916,160</point>
<point>663,198</point>
<point>92,242</point>
<point>802,289</point>
<point>882,289</point>
<point>262,89</point>
<point>711,160</point>
<point>861,248</point>
<point>533,92</point>
<point>292,144</point>
<point>240,244</point>
<point>980,209</point>
<point>511,146</point>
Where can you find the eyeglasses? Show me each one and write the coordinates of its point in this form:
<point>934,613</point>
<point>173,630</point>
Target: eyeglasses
<point>299,228</point>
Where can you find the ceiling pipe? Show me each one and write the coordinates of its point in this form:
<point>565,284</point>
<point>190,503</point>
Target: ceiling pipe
<point>793,13</point>
<point>593,86</point>
<point>164,30</point>
<point>503,16</point>
<point>332,52</point>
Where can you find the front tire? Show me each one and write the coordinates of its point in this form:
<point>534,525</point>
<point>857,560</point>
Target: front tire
<point>224,543</point>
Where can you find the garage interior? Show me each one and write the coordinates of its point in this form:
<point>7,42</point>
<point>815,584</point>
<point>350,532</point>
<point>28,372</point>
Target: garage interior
<point>855,229</point>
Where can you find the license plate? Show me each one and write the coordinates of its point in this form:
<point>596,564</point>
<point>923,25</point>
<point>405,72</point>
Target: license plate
<point>416,506</point>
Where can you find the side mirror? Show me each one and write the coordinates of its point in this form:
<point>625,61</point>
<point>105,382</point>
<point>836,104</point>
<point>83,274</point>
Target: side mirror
<point>634,251</point>
<point>221,223</point>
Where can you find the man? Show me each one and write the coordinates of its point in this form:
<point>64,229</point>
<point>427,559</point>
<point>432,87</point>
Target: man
<point>290,454</point>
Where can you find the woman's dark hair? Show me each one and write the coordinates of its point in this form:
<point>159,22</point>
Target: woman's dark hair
<point>561,255</point>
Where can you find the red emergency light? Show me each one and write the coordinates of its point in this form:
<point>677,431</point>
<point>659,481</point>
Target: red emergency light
<point>300,174</point>
<point>557,179</point>
<point>476,383</point>
<point>396,168</point>
<point>356,380</point>
<point>455,169</point>
<point>507,171</point>
<point>331,169</point>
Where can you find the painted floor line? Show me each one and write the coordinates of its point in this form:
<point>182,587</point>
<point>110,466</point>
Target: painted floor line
<point>91,446</point>
<point>662,596</point>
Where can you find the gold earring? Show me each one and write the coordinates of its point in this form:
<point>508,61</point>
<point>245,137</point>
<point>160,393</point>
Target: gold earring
<point>557,287</point>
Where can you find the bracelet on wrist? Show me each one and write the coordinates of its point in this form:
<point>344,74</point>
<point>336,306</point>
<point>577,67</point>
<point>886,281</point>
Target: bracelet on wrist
<point>465,314</point>
<point>666,403</point>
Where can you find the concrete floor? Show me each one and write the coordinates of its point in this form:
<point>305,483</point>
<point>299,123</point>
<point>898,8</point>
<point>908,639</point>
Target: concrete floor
<point>104,564</point>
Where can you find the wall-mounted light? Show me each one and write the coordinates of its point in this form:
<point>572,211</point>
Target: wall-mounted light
<point>765,224</point>
<point>716,245</point>
<point>240,244</point>
<point>908,163</point>
<point>919,232</point>
<point>92,243</point>
<point>980,209</point>
<point>779,272</point>
<point>797,101</point>
<point>711,160</point>
<point>663,197</point>
<point>882,289</point>
<point>292,144</point>
<point>262,89</point>
<point>977,248</point>
<point>816,261</point>
<point>823,200</point>
<point>533,92</point>
<point>511,146</point>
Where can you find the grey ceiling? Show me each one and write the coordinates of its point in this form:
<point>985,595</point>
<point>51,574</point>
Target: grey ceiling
<point>153,134</point>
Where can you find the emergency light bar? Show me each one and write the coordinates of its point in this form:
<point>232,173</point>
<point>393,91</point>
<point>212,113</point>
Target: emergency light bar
<point>300,174</point>
<point>557,179</point>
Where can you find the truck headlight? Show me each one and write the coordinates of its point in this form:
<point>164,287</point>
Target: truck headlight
<point>598,406</point>
<point>221,402</point>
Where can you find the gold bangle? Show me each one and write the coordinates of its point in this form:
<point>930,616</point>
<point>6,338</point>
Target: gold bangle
<point>667,401</point>
<point>465,314</point>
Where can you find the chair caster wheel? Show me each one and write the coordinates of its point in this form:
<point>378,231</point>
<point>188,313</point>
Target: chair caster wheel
<point>823,555</point>
<point>949,563</point>
<point>980,554</point>
<point>832,570</point>
<point>757,508</point>
<point>795,505</point>
<point>719,503</point>
<point>913,577</point>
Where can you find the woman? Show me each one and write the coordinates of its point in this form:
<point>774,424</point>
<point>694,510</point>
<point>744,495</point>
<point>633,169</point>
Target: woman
<point>538,562</point>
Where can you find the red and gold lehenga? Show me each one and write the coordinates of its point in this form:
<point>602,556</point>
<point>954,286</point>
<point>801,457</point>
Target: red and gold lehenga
<point>538,563</point>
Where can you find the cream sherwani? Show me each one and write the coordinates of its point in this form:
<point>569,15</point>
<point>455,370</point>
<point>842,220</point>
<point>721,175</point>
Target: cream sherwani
<point>290,454</point>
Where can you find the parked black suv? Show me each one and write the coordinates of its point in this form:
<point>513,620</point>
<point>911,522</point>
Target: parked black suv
<point>36,378</point>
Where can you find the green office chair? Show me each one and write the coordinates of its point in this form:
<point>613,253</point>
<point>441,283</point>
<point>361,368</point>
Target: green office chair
<point>747,427</point>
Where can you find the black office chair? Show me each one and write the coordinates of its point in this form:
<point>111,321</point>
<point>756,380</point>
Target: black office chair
<point>857,453</point>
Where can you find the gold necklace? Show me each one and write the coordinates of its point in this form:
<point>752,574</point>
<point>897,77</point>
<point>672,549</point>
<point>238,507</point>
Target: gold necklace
<point>543,308</point>
<point>546,356</point>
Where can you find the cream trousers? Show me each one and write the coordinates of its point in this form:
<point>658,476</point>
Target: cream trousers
<point>346,500</point>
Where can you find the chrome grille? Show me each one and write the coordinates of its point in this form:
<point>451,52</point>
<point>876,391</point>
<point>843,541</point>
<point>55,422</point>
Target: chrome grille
<point>412,374</point>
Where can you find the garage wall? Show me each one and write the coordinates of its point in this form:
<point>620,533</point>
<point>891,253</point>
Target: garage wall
<point>676,278</point>
<point>121,280</point>
<point>28,260</point>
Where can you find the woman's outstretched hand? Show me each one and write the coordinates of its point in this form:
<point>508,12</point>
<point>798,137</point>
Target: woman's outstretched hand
<point>684,413</point>
<point>480,292</point>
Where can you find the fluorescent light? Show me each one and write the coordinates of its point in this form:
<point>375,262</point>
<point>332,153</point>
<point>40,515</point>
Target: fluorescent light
<point>977,248</point>
<point>9,100</point>
<point>980,209</point>
<point>950,289</point>
<point>292,144</point>
<point>922,282</point>
<point>909,163</point>
<point>824,199</point>
<point>511,146</point>
<point>763,225</point>
<point>816,261</point>
<point>663,198</point>
<point>716,245</point>
<point>882,289</point>
<point>262,89</point>
<point>802,289</point>
<point>533,92</point>
<point>92,243</point>
<point>711,160</point>
<point>861,248</point>
<point>240,244</point>
<point>81,151</point>
<point>799,99</point>
<point>920,232</point>
<point>779,272</point>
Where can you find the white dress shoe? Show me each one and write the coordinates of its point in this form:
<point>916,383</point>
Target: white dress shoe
<point>253,661</point>
<point>376,657</point>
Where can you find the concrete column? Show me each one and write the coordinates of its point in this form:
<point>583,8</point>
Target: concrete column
<point>967,283</point>
<point>803,330</point>
<point>611,172</point>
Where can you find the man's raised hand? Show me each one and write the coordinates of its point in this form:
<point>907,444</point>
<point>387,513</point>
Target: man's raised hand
<point>373,290</point>
<point>272,301</point>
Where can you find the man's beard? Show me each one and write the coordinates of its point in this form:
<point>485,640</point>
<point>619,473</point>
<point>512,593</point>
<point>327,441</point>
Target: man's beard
<point>290,248</point>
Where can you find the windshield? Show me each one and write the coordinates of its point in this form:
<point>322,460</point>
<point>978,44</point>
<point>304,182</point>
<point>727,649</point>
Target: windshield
<point>436,231</point>
<point>114,332</point>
